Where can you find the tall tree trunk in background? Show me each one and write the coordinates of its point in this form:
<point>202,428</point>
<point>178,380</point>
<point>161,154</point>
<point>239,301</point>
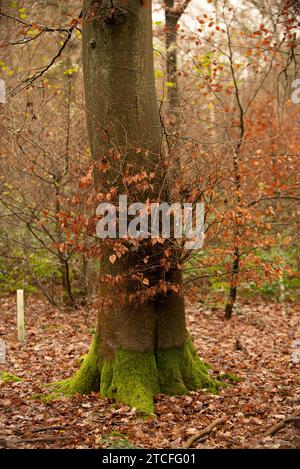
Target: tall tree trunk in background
<point>236,160</point>
<point>139,349</point>
<point>171,21</point>
<point>172,16</point>
<point>63,261</point>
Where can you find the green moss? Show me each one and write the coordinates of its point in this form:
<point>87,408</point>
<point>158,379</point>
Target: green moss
<point>131,378</point>
<point>231,377</point>
<point>115,440</point>
<point>207,365</point>
<point>46,397</point>
<point>81,359</point>
<point>9,378</point>
<point>135,378</point>
<point>180,370</point>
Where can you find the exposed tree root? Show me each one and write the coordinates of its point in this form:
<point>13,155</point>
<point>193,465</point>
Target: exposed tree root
<point>295,417</point>
<point>204,431</point>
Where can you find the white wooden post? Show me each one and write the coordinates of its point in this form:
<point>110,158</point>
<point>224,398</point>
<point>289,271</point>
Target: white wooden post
<point>281,290</point>
<point>2,351</point>
<point>20,315</point>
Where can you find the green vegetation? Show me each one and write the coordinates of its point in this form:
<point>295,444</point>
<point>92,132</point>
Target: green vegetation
<point>115,440</point>
<point>287,288</point>
<point>229,378</point>
<point>9,378</point>
<point>135,378</point>
<point>14,275</point>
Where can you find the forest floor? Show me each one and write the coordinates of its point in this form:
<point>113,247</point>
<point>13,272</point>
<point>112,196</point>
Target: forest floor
<point>255,345</point>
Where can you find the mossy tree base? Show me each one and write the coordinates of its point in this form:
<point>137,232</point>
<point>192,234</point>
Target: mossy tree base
<point>135,378</point>
<point>180,370</point>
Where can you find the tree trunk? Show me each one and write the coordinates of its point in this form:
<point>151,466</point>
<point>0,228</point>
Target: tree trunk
<point>66,282</point>
<point>233,284</point>
<point>171,20</point>
<point>174,110</point>
<point>63,262</point>
<point>140,349</point>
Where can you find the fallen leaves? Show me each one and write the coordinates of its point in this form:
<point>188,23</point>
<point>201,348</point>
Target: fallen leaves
<point>268,393</point>
<point>204,432</point>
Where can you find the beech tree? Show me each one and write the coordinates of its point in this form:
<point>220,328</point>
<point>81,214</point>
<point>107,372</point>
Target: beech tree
<point>140,348</point>
<point>232,146</point>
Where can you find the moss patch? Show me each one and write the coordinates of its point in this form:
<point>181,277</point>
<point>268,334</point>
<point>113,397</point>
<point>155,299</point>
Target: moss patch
<point>9,378</point>
<point>230,377</point>
<point>180,370</point>
<point>131,378</point>
<point>46,397</point>
<point>115,440</point>
<point>135,378</point>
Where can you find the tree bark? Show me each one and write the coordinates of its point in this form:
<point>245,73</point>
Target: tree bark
<point>172,17</point>
<point>171,20</point>
<point>140,349</point>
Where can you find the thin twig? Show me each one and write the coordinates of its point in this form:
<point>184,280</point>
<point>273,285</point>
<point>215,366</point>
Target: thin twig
<point>45,429</point>
<point>295,417</point>
<point>29,81</point>
<point>203,432</point>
